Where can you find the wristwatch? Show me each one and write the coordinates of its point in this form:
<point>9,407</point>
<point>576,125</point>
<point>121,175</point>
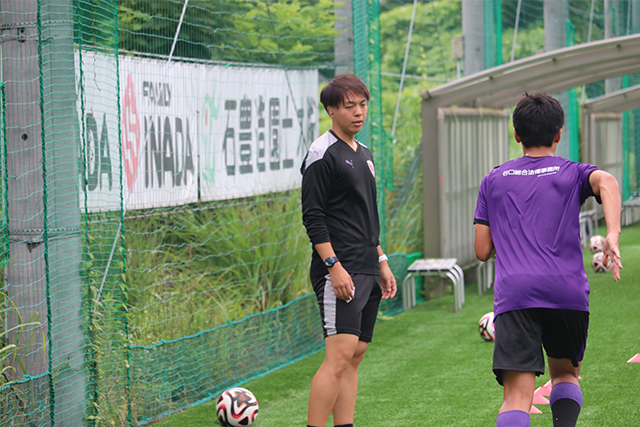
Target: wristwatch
<point>330,261</point>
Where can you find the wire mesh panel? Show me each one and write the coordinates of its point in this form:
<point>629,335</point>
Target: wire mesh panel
<point>603,147</point>
<point>151,186</point>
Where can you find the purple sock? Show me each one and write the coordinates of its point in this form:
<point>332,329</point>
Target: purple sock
<point>565,391</point>
<point>513,418</point>
<point>566,402</point>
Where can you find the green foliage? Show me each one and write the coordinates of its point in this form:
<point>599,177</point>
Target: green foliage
<point>430,57</point>
<point>95,23</point>
<point>12,342</point>
<point>435,23</point>
<point>195,269</point>
<point>532,17</point>
<point>529,42</point>
<point>283,32</point>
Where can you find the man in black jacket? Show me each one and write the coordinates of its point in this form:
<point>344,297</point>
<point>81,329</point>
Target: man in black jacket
<point>349,270</point>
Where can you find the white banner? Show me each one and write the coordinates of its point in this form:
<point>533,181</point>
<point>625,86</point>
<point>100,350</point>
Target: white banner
<point>242,131</point>
<point>257,124</point>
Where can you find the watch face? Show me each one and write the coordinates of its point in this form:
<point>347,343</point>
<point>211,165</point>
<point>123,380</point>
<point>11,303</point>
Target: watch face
<point>330,261</point>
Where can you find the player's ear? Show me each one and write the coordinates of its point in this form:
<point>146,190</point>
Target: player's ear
<point>330,111</point>
<point>557,138</point>
<point>516,135</point>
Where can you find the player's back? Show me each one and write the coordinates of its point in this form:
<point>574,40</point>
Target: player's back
<point>533,207</point>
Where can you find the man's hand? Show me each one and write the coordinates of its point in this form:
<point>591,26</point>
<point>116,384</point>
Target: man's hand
<point>612,254</point>
<point>342,284</point>
<point>387,281</point>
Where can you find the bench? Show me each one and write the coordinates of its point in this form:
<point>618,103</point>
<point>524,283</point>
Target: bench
<point>485,272</point>
<point>588,226</point>
<point>442,267</point>
<point>631,210</point>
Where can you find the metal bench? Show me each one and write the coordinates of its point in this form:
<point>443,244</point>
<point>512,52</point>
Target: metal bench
<point>485,272</point>
<point>443,267</point>
<point>631,210</point>
<point>588,226</point>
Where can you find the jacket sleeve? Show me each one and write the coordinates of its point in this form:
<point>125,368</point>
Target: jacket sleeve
<point>316,182</point>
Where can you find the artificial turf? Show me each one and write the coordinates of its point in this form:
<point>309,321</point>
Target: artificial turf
<point>429,367</point>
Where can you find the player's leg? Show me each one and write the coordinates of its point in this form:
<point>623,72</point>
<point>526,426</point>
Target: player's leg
<point>326,384</point>
<point>566,395</point>
<point>368,288</point>
<point>517,398</point>
<point>344,408</point>
<point>565,339</point>
<point>517,359</point>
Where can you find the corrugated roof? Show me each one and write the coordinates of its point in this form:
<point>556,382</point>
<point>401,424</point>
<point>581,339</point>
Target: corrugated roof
<point>550,72</point>
<point>614,102</point>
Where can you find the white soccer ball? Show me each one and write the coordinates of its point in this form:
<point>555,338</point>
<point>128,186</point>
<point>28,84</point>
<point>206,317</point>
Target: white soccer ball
<point>595,243</point>
<point>486,329</point>
<point>237,407</point>
<point>597,263</point>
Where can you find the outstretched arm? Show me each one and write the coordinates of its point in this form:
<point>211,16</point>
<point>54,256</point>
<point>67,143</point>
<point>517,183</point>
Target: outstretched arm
<point>605,185</point>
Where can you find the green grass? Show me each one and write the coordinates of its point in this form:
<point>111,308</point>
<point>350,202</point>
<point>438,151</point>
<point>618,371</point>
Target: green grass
<point>429,367</point>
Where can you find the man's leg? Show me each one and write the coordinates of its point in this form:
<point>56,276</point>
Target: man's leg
<point>339,352</point>
<point>345,405</point>
<point>518,397</point>
<point>566,395</point>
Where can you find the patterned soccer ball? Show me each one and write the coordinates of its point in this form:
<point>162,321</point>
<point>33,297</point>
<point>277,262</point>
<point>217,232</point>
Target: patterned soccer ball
<point>486,328</point>
<point>237,407</point>
<point>597,263</point>
<point>595,243</point>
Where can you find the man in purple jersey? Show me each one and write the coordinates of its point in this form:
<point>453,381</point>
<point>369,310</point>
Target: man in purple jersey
<point>528,216</point>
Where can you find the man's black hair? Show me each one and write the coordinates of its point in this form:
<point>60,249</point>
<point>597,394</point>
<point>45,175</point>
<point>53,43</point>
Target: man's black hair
<point>537,119</point>
<point>338,89</point>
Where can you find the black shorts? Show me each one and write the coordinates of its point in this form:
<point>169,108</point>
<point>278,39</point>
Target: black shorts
<point>357,317</point>
<point>521,334</point>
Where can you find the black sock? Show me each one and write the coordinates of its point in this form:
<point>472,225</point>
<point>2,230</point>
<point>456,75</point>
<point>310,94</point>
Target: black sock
<point>565,413</point>
<point>344,425</point>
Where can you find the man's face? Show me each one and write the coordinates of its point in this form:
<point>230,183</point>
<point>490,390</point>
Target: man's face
<point>351,115</point>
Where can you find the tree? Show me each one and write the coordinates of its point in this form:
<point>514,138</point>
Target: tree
<point>285,32</point>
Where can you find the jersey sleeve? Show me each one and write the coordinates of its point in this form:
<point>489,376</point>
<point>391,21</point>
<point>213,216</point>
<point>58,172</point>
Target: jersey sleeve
<point>481,215</point>
<point>585,186</point>
<point>316,181</point>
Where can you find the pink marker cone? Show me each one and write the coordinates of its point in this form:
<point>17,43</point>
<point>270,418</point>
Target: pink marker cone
<point>545,390</point>
<point>634,359</point>
<point>539,399</point>
<point>534,410</point>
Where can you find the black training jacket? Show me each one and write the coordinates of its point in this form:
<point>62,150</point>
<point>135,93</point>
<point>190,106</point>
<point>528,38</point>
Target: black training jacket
<point>339,204</point>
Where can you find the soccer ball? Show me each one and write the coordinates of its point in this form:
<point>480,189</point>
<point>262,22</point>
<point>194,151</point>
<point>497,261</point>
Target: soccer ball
<point>237,407</point>
<point>595,243</point>
<point>597,263</point>
<point>486,328</point>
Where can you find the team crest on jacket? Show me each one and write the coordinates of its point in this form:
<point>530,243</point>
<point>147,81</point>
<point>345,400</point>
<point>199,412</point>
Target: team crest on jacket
<point>371,168</point>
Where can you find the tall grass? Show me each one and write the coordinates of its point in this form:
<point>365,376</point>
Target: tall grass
<point>199,267</point>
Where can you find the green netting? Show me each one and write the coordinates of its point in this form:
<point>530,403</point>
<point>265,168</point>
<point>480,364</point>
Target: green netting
<point>492,33</point>
<point>366,64</point>
<point>154,242</point>
<point>175,374</point>
<point>152,250</point>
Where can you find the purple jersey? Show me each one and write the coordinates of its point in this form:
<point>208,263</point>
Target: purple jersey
<point>532,205</point>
